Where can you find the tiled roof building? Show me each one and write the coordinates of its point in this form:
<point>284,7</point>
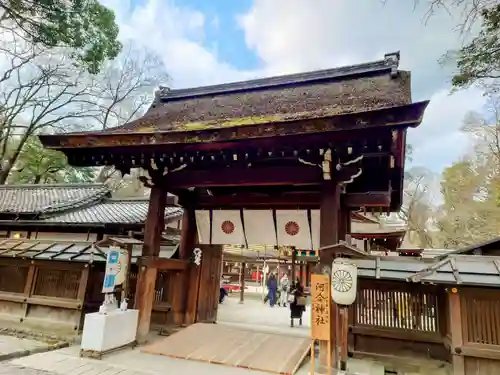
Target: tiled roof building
<point>63,206</point>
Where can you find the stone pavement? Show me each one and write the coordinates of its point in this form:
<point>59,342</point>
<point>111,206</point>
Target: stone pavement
<point>10,369</point>
<point>126,362</point>
<point>133,362</point>
<point>252,315</point>
<point>255,316</point>
<point>13,347</point>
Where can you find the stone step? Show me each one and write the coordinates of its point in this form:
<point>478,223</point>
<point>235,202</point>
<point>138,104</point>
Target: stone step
<point>354,367</point>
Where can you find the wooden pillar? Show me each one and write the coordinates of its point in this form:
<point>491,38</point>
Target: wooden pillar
<point>126,283</point>
<point>145,291</point>
<point>342,341</point>
<point>308,274</point>
<point>344,223</point>
<point>303,273</point>
<point>209,285</point>
<point>189,294</point>
<point>242,282</point>
<point>328,235</point>
<point>457,341</point>
<point>294,272</point>
<point>343,311</point>
<point>188,234</point>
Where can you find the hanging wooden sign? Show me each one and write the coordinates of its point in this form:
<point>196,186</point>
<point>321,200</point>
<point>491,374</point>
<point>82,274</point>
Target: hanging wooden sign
<point>321,316</point>
<point>320,307</point>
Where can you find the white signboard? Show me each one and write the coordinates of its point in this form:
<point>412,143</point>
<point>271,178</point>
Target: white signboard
<point>112,269</point>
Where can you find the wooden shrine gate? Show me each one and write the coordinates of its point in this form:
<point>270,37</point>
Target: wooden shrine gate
<point>331,140</point>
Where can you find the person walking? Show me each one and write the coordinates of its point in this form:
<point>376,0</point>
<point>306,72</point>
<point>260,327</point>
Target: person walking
<point>222,293</point>
<point>272,287</point>
<point>284,288</point>
<point>298,306</point>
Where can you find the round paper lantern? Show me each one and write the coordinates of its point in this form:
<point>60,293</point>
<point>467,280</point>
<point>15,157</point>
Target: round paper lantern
<point>344,281</point>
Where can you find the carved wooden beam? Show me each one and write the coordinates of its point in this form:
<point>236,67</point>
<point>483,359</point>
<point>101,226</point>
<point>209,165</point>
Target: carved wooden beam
<point>163,263</point>
<point>287,201</point>
<point>262,176</point>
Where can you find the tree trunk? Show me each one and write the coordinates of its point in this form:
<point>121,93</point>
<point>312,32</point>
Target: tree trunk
<point>38,179</point>
<point>4,174</point>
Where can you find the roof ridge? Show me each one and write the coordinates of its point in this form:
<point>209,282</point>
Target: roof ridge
<point>43,186</point>
<point>389,63</point>
<point>127,199</point>
<point>77,203</point>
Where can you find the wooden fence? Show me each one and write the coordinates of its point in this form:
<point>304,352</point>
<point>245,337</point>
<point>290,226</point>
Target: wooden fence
<point>397,318</point>
<point>43,295</point>
<point>54,296</point>
<point>460,325</point>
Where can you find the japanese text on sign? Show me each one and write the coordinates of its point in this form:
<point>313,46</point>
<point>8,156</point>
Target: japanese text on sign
<point>320,307</point>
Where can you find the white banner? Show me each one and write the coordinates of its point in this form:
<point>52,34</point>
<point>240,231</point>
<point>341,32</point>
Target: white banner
<point>203,226</point>
<point>259,227</point>
<point>315,225</point>
<point>227,228</point>
<point>293,229</point>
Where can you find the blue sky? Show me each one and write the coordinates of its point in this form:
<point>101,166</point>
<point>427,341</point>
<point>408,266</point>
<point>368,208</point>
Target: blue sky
<point>223,34</point>
<point>206,42</point>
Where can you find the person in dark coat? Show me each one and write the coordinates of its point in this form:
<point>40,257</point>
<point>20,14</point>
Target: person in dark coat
<point>272,287</point>
<point>297,306</point>
<point>222,294</point>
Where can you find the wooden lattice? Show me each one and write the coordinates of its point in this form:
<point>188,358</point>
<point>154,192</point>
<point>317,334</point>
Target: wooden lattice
<point>481,317</point>
<point>400,309</point>
<point>162,286</point>
<point>13,278</point>
<point>57,283</point>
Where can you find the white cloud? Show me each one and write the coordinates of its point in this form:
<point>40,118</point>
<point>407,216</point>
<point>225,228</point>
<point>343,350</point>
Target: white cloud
<point>438,140</point>
<point>177,34</point>
<point>298,35</point>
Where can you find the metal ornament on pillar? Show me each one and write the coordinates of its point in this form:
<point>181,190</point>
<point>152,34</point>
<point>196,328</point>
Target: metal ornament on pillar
<point>197,256</point>
<point>344,281</point>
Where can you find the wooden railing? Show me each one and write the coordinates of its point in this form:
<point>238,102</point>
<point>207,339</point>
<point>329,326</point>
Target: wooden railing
<point>397,318</point>
<point>398,309</point>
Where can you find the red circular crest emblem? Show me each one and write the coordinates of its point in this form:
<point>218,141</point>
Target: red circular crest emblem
<point>227,226</point>
<point>292,228</point>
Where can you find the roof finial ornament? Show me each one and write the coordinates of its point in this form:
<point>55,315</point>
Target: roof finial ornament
<point>160,92</point>
<point>392,59</point>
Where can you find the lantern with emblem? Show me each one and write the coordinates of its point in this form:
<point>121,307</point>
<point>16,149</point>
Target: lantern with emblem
<point>344,275</point>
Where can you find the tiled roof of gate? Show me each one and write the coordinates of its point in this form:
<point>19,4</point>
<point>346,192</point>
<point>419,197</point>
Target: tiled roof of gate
<point>36,199</point>
<point>323,93</point>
